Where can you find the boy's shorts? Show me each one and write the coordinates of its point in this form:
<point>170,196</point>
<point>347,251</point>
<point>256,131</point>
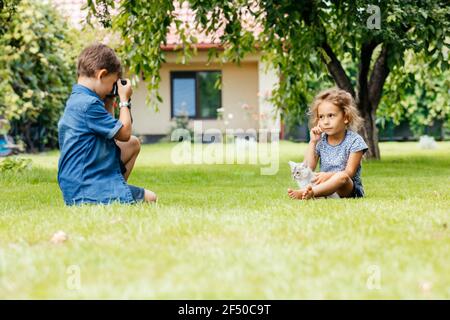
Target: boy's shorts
<point>136,192</point>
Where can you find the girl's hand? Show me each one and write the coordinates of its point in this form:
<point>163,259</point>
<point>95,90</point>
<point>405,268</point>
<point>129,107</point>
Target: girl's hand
<point>320,177</point>
<point>315,134</point>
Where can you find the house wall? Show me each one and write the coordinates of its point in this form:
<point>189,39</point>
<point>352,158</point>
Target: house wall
<point>240,87</point>
<point>268,79</point>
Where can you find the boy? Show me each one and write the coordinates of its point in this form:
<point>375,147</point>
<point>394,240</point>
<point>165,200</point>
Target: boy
<point>92,168</point>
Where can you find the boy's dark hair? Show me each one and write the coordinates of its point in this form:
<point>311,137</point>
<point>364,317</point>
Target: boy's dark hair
<point>96,57</point>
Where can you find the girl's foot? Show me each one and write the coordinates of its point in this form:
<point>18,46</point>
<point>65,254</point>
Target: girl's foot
<point>302,194</point>
<point>295,194</point>
<point>308,193</point>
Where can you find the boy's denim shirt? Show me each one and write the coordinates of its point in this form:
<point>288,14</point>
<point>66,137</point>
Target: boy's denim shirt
<point>88,169</point>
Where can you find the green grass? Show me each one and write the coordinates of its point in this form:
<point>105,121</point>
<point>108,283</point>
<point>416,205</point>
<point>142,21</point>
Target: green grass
<point>225,231</point>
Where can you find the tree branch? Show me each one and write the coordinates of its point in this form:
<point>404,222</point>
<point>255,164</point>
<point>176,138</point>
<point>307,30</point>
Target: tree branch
<point>335,68</point>
<point>310,13</point>
<point>378,77</point>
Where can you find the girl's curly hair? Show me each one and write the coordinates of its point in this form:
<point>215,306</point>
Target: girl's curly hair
<point>341,99</point>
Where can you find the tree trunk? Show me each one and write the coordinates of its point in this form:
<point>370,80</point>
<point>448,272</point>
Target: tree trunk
<point>365,104</point>
<point>369,90</point>
<point>369,131</point>
<point>26,134</point>
<point>375,90</point>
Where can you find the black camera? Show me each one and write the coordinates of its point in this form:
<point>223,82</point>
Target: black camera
<point>115,90</point>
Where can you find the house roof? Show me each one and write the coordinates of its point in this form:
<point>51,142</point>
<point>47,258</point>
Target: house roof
<point>71,9</point>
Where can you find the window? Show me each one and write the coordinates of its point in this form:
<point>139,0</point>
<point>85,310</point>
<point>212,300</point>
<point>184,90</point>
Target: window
<point>196,94</point>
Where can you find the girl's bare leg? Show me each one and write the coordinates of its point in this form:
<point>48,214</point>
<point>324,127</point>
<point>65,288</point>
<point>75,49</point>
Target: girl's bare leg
<point>340,182</point>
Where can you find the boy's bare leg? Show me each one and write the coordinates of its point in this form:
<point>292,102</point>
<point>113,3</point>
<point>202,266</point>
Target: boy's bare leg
<point>128,153</point>
<point>340,182</point>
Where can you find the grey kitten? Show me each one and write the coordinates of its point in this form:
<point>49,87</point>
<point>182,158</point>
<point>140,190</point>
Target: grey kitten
<point>303,174</point>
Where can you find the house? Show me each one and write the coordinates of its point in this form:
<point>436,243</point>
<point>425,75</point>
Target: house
<point>190,89</point>
<point>240,103</point>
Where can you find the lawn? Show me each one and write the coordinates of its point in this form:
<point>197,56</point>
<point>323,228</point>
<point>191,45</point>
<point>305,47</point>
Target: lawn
<point>225,231</point>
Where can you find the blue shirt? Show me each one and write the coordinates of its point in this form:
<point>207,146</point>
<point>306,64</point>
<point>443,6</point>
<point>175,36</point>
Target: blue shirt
<point>335,158</point>
<point>88,168</point>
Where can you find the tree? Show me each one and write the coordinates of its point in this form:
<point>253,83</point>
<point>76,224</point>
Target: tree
<point>418,93</point>
<point>302,39</point>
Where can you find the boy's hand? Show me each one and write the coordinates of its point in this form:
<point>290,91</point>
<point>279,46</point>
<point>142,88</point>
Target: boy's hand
<point>320,177</point>
<point>124,91</point>
<point>315,134</point>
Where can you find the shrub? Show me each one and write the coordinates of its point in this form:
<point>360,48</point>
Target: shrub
<point>36,73</point>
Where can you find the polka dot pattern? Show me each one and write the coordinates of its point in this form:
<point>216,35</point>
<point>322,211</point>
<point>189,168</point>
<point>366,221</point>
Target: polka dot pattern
<point>334,158</point>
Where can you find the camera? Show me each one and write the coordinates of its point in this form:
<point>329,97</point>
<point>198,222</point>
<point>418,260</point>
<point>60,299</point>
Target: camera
<point>115,90</point>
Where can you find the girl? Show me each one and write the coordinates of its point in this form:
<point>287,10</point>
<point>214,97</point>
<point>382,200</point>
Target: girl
<point>334,120</point>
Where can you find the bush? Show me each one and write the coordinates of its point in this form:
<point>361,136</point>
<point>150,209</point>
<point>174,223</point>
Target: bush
<point>36,73</point>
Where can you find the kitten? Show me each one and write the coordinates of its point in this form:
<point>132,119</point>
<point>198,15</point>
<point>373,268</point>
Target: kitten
<point>303,174</point>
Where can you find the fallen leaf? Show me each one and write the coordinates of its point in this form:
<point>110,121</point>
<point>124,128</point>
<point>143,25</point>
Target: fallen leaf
<point>425,287</point>
<point>117,220</point>
<point>59,237</point>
